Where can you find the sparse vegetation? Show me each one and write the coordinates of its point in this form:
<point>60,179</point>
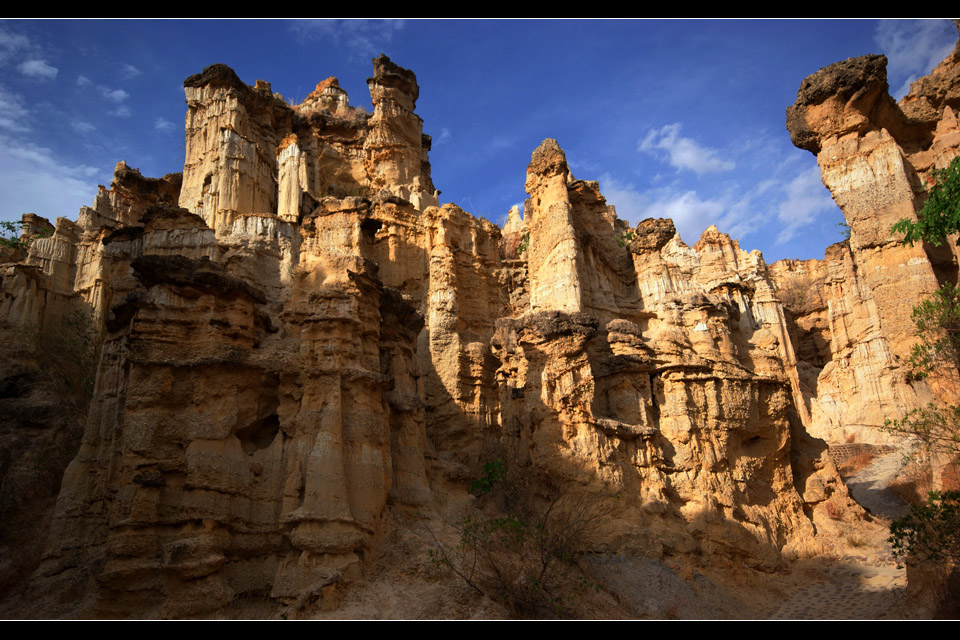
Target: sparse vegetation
<point>835,510</point>
<point>524,243</point>
<point>526,559</point>
<point>795,292</point>
<point>493,473</point>
<point>69,352</point>
<point>623,239</point>
<point>931,532</point>
<point>11,235</point>
<point>844,229</point>
<point>527,563</point>
<point>935,429</point>
<point>940,215</point>
<point>855,463</point>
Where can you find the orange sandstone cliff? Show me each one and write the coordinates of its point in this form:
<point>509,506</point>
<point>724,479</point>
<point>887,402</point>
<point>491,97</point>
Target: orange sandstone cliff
<point>294,340</point>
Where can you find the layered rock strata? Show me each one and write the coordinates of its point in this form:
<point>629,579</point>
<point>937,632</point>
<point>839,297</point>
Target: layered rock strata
<point>852,310</point>
<point>296,340</point>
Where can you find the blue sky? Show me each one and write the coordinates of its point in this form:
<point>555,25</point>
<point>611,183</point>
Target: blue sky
<point>681,119</point>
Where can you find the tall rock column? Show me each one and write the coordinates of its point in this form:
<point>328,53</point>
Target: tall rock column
<point>874,155</point>
<point>845,115</point>
<point>232,133</point>
<point>396,147</point>
<point>552,250</point>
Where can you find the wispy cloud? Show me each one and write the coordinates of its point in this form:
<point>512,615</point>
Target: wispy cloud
<point>13,115</point>
<point>360,37</point>
<point>444,136</point>
<point>913,48</point>
<point>805,198</point>
<point>128,71</point>
<point>38,69</point>
<point>501,142</point>
<point>116,96</point>
<point>778,208</point>
<point>82,127</point>
<point>164,126</point>
<point>683,153</point>
<point>113,95</point>
<point>12,44</point>
<point>33,179</point>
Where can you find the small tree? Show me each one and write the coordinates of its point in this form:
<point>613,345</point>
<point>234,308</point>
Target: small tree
<point>940,215</point>
<point>931,532</point>
<point>937,323</point>
<point>11,235</point>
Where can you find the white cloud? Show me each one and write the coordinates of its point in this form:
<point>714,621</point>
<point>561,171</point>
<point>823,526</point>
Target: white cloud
<point>361,37</point>
<point>163,125</point>
<point>499,143</point>
<point>11,44</point>
<point>737,212</point>
<point>33,179</point>
<point>444,136</point>
<point>12,113</point>
<point>913,48</point>
<point>123,111</point>
<point>84,81</point>
<point>38,69</point>
<point>113,95</point>
<point>805,199</point>
<point>625,197</point>
<point>683,153</point>
<point>690,213</point>
<point>82,127</point>
<point>128,71</point>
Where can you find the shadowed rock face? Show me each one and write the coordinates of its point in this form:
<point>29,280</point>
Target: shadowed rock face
<point>296,339</point>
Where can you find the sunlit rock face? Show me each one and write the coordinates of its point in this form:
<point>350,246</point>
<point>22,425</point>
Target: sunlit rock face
<point>297,340</point>
<point>850,312</point>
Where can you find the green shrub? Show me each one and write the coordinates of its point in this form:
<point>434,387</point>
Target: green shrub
<point>623,239</point>
<point>940,215</point>
<point>493,473</point>
<point>524,243</point>
<point>10,235</point>
<point>931,532</point>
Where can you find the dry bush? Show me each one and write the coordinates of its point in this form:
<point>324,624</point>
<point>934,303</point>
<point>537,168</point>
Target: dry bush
<point>835,510</point>
<point>527,561</point>
<point>796,292</point>
<point>855,463</point>
<point>855,540</point>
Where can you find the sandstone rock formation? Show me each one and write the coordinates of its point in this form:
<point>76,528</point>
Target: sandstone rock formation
<point>297,340</point>
<point>852,309</point>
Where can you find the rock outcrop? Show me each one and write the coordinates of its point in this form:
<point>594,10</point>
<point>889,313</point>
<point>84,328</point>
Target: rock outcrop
<point>852,309</point>
<point>295,340</point>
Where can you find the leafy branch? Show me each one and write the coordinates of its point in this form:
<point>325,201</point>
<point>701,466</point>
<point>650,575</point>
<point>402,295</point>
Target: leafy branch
<point>940,215</point>
<point>12,235</point>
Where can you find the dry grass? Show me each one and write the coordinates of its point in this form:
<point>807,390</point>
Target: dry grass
<point>835,510</point>
<point>796,292</point>
<point>855,540</point>
<point>855,463</point>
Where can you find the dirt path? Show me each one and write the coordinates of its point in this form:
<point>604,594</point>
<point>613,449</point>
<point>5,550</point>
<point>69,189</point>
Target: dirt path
<point>858,587</point>
<point>851,590</point>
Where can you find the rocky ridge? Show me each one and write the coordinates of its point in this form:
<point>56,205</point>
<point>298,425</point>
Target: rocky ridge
<point>296,341</point>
